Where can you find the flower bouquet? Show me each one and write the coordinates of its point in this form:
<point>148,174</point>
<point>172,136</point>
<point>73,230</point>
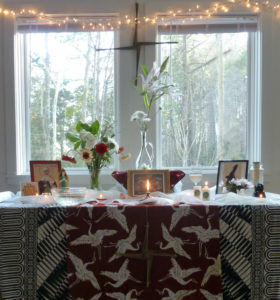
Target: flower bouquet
<point>96,148</point>
<point>155,84</point>
<point>237,186</point>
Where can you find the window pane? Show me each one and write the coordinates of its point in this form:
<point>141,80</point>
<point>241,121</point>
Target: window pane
<point>69,81</point>
<point>207,122</point>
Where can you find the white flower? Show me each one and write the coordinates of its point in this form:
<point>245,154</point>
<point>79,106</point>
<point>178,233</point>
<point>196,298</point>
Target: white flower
<point>144,167</point>
<point>91,141</point>
<point>83,135</point>
<point>86,155</point>
<point>138,115</point>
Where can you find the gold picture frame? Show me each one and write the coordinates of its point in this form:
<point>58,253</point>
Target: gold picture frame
<point>137,179</point>
<point>29,188</point>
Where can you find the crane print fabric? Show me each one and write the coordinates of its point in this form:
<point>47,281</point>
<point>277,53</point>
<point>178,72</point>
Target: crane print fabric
<point>87,252</point>
<point>99,238</point>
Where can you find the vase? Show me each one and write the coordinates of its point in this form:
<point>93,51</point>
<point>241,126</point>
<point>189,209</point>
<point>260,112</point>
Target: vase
<point>146,155</point>
<point>94,179</point>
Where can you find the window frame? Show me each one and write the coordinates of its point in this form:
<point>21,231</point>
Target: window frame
<point>126,134</point>
<point>254,107</point>
<point>22,116</point>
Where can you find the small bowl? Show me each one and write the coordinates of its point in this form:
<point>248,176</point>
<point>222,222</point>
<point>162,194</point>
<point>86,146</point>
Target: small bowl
<point>69,196</point>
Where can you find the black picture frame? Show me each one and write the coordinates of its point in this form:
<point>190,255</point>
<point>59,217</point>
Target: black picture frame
<point>234,168</point>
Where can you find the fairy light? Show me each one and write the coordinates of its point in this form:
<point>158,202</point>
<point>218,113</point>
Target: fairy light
<point>224,6</point>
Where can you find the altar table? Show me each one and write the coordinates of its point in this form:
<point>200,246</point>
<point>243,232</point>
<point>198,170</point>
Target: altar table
<point>150,252</point>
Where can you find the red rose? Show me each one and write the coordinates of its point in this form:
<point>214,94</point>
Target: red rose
<point>68,158</point>
<point>101,148</point>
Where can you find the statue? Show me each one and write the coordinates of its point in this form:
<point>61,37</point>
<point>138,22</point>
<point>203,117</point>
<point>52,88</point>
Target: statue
<point>63,179</point>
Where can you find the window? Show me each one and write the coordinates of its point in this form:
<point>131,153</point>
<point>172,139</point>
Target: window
<point>61,80</point>
<point>211,64</point>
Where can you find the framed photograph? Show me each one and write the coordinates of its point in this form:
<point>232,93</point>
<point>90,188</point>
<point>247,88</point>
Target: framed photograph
<point>46,173</point>
<point>159,181</point>
<point>230,169</point>
<point>29,188</point>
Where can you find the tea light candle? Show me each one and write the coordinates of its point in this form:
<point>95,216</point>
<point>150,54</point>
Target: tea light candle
<point>206,192</point>
<point>101,197</point>
<point>197,192</point>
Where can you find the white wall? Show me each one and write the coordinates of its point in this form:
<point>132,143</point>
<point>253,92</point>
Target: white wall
<point>126,70</point>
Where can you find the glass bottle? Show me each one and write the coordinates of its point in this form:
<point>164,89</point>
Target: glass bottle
<point>146,155</point>
<point>257,173</point>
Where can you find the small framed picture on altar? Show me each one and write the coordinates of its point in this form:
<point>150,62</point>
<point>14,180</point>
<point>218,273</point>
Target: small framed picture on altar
<point>139,182</point>
<point>46,173</point>
<point>29,188</point>
<point>228,170</point>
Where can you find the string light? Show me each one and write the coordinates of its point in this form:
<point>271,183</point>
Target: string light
<point>190,14</point>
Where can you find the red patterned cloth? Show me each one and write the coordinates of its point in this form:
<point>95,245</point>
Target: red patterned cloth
<point>97,238</point>
<point>175,177</point>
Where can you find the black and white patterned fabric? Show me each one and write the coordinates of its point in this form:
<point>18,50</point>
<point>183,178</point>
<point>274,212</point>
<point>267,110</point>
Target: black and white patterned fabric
<point>235,249</point>
<point>51,254</point>
<point>250,255</point>
<point>33,254</point>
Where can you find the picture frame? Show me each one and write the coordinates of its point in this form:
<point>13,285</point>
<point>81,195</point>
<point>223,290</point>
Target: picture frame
<point>137,180</point>
<point>46,173</point>
<point>229,169</point>
<point>29,188</point>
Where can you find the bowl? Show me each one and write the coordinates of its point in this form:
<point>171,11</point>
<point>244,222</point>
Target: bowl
<point>69,196</point>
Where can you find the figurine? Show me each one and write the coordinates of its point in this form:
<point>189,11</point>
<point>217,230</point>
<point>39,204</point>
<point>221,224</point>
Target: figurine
<point>259,191</point>
<point>63,179</point>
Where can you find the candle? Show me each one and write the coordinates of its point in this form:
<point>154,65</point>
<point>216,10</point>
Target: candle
<point>101,197</point>
<point>206,192</point>
<point>148,186</point>
<point>197,191</point>
<point>261,196</point>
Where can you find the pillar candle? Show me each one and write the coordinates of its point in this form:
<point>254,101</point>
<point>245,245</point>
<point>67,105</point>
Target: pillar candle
<point>206,192</point>
<point>197,191</point>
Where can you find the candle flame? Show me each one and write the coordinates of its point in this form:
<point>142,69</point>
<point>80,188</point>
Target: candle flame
<point>206,183</point>
<point>148,185</point>
<point>100,196</point>
<point>261,195</point>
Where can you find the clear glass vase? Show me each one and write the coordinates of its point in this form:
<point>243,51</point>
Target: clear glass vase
<point>146,155</point>
<point>94,179</point>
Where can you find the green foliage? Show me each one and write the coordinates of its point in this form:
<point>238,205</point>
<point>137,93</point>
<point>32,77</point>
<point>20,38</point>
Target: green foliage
<point>145,69</point>
<point>163,65</point>
<point>72,138</point>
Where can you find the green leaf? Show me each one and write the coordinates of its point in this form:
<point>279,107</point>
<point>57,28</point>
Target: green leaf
<point>77,145</point>
<point>105,139</point>
<point>111,146</point>
<point>79,126</point>
<point>72,138</point>
<point>83,144</point>
<point>146,102</point>
<point>95,127</point>
<point>86,127</point>
<point>163,65</point>
<point>145,69</point>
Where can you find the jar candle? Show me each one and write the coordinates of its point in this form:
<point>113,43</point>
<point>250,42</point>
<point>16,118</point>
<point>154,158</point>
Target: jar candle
<point>206,192</point>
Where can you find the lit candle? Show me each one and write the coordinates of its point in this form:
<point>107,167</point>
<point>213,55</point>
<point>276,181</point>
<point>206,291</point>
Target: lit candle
<point>101,197</point>
<point>261,196</point>
<point>148,186</point>
<point>197,191</point>
<point>36,194</point>
<point>206,192</point>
